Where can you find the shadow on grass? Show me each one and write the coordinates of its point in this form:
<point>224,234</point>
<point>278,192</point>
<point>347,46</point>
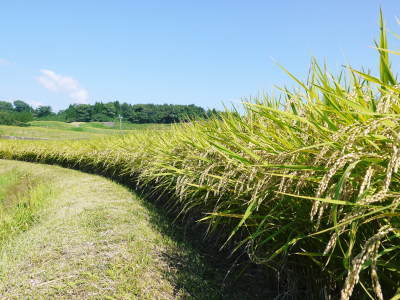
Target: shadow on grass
<point>206,271</point>
<point>202,269</point>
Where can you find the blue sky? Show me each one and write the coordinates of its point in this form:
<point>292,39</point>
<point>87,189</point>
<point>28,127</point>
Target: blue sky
<point>183,52</point>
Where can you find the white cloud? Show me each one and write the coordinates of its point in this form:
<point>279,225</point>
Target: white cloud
<point>64,84</point>
<point>35,104</point>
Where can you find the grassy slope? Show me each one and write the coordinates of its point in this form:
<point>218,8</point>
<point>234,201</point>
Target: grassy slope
<point>97,239</point>
<point>96,127</point>
<point>60,130</point>
<point>46,133</point>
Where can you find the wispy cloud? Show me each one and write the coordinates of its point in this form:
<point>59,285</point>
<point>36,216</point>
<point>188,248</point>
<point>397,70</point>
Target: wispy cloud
<point>64,84</point>
<point>35,104</point>
<point>4,61</point>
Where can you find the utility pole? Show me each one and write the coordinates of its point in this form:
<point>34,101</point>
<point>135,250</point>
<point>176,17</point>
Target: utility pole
<point>120,122</point>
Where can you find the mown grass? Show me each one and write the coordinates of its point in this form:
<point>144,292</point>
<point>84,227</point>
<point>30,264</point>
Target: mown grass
<point>306,184</point>
<point>98,240</point>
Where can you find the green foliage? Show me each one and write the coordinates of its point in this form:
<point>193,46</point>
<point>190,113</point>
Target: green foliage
<point>6,118</point>
<point>43,111</point>
<point>15,118</point>
<point>137,113</point>
<point>21,106</point>
<point>106,112</point>
<point>6,106</point>
<point>19,114</point>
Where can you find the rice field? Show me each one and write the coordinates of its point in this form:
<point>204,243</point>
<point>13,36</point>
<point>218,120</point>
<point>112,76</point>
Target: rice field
<point>97,127</point>
<point>55,130</point>
<point>306,184</point>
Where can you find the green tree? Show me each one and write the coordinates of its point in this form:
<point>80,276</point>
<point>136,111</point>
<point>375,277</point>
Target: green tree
<point>109,110</point>
<point>136,113</point>
<point>43,111</point>
<point>6,106</point>
<point>21,106</point>
<point>83,112</point>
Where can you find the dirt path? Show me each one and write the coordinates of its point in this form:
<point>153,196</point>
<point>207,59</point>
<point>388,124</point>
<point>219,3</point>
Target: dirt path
<point>12,137</point>
<point>97,240</point>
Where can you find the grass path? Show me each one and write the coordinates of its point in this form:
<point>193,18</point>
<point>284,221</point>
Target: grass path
<point>98,240</point>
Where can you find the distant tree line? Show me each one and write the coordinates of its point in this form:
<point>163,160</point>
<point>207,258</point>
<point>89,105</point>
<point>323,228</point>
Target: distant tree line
<point>20,112</point>
<point>134,113</point>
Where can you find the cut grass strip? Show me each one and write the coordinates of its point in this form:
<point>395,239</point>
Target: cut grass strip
<point>21,198</point>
